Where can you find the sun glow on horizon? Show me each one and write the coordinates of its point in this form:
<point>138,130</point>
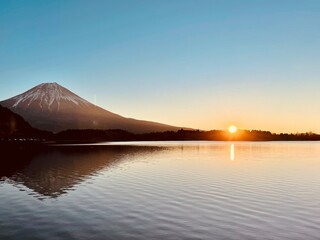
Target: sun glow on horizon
<point>232,129</point>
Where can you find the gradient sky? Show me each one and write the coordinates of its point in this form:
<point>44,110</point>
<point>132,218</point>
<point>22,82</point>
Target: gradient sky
<point>201,64</point>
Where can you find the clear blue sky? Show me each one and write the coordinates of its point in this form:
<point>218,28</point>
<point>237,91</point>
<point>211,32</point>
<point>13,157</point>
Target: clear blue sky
<point>201,64</point>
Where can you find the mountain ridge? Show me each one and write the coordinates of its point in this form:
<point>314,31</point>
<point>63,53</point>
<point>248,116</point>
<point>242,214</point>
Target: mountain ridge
<point>51,107</point>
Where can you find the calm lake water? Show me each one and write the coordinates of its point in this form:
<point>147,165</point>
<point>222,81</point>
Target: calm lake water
<point>162,190</point>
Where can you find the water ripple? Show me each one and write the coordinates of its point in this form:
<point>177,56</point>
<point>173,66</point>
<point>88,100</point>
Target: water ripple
<point>165,191</point>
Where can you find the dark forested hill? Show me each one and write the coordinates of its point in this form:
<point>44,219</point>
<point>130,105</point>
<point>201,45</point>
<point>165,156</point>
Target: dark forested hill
<point>14,126</point>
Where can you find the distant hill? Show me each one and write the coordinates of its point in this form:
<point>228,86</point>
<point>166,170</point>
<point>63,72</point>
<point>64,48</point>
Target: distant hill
<point>52,107</point>
<point>13,125</point>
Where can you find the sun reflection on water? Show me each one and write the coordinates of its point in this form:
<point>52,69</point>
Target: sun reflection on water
<point>232,154</point>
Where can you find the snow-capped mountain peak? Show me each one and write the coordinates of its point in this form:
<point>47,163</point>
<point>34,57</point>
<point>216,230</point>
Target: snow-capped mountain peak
<point>47,96</point>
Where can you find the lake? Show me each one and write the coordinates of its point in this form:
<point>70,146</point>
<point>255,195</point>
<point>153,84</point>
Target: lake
<point>162,190</point>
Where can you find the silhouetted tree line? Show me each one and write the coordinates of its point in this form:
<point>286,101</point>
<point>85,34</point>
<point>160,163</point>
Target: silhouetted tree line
<point>181,135</point>
<point>91,135</point>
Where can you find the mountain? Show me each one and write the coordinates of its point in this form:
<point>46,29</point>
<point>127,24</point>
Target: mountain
<point>13,125</point>
<point>52,107</point>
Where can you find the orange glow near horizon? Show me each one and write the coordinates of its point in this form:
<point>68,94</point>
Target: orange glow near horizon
<point>232,129</point>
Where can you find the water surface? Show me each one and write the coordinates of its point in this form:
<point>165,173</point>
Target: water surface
<point>162,190</point>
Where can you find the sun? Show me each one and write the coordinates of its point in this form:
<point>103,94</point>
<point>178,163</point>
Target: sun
<point>232,129</point>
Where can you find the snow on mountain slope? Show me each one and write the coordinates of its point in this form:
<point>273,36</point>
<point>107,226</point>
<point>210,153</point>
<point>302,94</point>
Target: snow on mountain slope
<point>52,107</point>
<point>45,95</point>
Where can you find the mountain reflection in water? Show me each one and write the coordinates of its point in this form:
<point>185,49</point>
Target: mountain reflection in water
<point>52,171</point>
